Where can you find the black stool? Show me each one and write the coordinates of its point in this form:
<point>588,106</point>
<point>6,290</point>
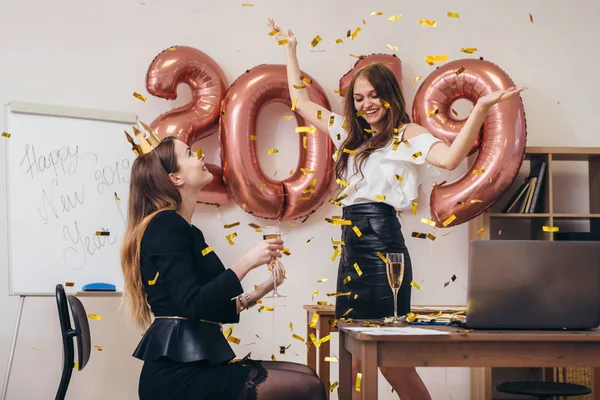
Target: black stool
<point>543,390</point>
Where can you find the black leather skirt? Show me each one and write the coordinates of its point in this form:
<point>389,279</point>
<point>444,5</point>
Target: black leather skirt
<point>370,293</point>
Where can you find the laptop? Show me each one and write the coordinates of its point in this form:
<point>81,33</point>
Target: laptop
<point>530,284</point>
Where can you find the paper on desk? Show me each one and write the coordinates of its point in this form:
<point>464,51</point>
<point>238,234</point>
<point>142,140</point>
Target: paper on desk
<point>395,331</point>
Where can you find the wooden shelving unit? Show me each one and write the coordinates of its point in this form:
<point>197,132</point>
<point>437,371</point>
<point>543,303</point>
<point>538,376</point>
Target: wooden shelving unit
<point>530,226</point>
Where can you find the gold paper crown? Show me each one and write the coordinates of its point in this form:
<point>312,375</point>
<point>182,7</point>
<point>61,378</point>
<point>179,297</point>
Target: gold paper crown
<point>146,144</point>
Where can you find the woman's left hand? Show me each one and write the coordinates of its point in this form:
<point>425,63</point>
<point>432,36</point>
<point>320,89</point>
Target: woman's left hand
<point>499,96</point>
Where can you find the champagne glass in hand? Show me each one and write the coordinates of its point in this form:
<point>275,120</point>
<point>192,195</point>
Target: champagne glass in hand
<point>394,263</point>
<point>272,232</point>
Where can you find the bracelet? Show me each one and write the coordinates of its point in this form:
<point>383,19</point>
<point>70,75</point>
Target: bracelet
<point>249,302</point>
<point>243,305</point>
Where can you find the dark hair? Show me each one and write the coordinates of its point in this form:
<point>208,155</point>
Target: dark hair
<point>386,85</point>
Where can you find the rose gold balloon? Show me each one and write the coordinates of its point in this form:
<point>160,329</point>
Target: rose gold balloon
<point>390,60</point>
<point>215,193</point>
<point>198,118</point>
<point>248,186</point>
<point>502,143</point>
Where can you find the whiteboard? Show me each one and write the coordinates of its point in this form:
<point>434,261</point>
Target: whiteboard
<point>67,179</point>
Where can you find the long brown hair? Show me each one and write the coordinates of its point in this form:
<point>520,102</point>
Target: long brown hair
<point>150,191</point>
<point>386,85</point>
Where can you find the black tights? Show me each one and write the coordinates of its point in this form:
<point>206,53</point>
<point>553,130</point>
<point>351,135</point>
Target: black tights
<point>290,381</point>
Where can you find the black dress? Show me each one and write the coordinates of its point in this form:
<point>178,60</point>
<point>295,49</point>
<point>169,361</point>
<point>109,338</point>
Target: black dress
<point>188,357</point>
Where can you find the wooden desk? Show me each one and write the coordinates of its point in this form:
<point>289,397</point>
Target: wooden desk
<point>325,316</point>
<point>464,349</point>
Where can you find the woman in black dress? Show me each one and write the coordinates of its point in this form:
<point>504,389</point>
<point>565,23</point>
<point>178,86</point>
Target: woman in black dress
<point>173,275</point>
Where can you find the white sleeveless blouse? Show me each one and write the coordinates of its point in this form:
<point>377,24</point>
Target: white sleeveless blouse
<point>390,176</point>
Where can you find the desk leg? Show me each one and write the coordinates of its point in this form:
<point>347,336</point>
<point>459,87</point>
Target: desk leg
<point>345,388</point>
<point>369,370</point>
<point>323,327</point>
<point>595,383</point>
<point>311,355</point>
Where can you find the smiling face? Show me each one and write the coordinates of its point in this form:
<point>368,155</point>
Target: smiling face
<point>367,102</point>
<point>192,171</point>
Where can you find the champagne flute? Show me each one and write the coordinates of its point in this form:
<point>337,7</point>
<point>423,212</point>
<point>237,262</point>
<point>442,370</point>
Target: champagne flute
<point>272,232</point>
<point>394,263</point>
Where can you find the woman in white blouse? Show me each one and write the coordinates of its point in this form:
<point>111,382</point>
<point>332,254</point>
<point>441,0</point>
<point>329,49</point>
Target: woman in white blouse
<point>381,174</point>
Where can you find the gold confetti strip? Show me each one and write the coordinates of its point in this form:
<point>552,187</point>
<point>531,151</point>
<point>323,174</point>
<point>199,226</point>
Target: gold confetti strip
<point>419,235</point>
<point>449,220</point>
<point>379,197</point>
<point>300,338</point>
<point>500,232</point>
<point>418,78</point>
<point>338,41</point>
<point>228,332</point>
<point>531,18</point>
<point>273,32</point>
<point>349,151</point>
<point>273,357</point>
<point>153,281</point>
<point>233,339</point>
<point>315,41</point>
<point>287,117</point>
<point>247,5</point>
<point>347,312</point>
<point>117,197</point>
<point>355,33</point>
<point>286,251</point>
<point>94,316</point>
<point>282,349</point>
<point>257,228</point>
<point>102,233</point>
<point>322,303</point>
<point>392,47</point>
<point>304,141</point>
<point>357,231</point>
<point>452,15</point>
<point>316,292</point>
<point>244,206</point>
<point>266,308</point>
<point>325,339</point>
<point>309,240</point>
<point>75,366</point>
<point>414,207</point>
<point>394,17</point>
<point>399,178</point>
<point>331,359</point>
<point>231,225</point>
<point>338,294</point>
<point>428,22</point>
<point>336,253</point>
<point>139,96</point>
<point>361,113</point>
<point>358,270</point>
<point>314,340</point>
<point>230,237</point>
<point>294,102</point>
<point>299,87</point>
<point>253,137</point>
<point>313,321</point>
<point>547,228</point>
<point>416,286</point>
<point>369,130</point>
<point>69,284</point>
<point>480,230</point>
<point>455,112</point>
<point>322,280</point>
<point>430,237</point>
<point>333,386</point>
<point>347,279</point>
<point>257,336</point>
<point>475,201</point>
<point>417,155</point>
<point>305,129</point>
<point>358,381</point>
<point>433,112</point>
<point>355,56</point>
<point>199,153</point>
<point>428,222</point>
<point>343,183</point>
<point>451,279</point>
<point>385,103</point>
<point>207,250</point>
<point>291,326</point>
<point>478,171</point>
<point>381,256</point>
<point>273,151</point>
<point>5,134</point>
<point>437,58</point>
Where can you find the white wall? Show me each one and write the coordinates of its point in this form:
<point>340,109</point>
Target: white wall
<point>95,54</point>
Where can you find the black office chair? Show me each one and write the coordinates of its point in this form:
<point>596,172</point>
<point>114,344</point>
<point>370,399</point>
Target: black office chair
<point>543,390</point>
<point>81,333</point>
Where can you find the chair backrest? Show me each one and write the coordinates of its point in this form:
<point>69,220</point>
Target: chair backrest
<point>81,333</point>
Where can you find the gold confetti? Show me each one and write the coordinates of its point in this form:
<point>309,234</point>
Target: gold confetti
<point>337,294</point>
<point>347,312</point>
<point>247,5</point>
<point>416,286</point>
<point>349,151</point>
<point>468,50</point>
<point>343,183</point>
<point>230,237</point>
<point>500,232</point>
<point>266,308</point>
<point>228,332</point>
<point>94,316</point>
<point>418,78</point>
<point>244,206</point>
<point>299,87</point>
<point>291,326</point>
<point>117,197</point>
<point>336,253</point>
<point>139,96</point>
<point>358,270</point>
<point>231,225</point>
<point>392,47</point>
<point>69,284</point>
<point>153,281</point>
<point>547,228</point>
<point>455,112</point>
<point>449,220</point>
<point>304,141</point>
<point>233,339</point>
<point>347,279</point>
<point>355,56</point>
<point>480,230</point>
<point>313,321</point>
<point>294,102</point>
<point>417,155</point>
<point>207,250</point>
<point>273,151</point>
<point>478,171</point>
<point>361,113</point>
<point>315,41</point>
<point>199,153</point>
<point>322,280</point>
<point>288,117</point>
<point>428,222</point>
<point>316,292</point>
<point>531,18</point>
<point>5,134</point>
<point>273,32</point>
<point>381,256</point>
<point>300,338</point>
<point>102,233</point>
<point>394,17</point>
<point>430,237</point>
<point>253,137</point>
<point>314,340</point>
<point>273,357</point>
<point>338,41</point>
<point>399,178</point>
<point>286,251</point>
<point>414,207</point>
<point>331,359</point>
<point>419,235</point>
<point>305,129</point>
<point>451,279</point>
<point>357,231</point>
<point>257,228</point>
<point>358,381</point>
<point>355,33</point>
<point>475,201</point>
<point>432,112</point>
<point>385,103</point>
<point>76,366</point>
<point>438,58</point>
<point>379,197</point>
<point>452,15</point>
<point>369,130</point>
<point>428,22</point>
<point>282,349</point>
<point>325,339</point>
<point>333,386</point>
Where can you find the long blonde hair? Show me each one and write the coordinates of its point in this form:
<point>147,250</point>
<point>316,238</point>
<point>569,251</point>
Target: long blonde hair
<point>150,191</point>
